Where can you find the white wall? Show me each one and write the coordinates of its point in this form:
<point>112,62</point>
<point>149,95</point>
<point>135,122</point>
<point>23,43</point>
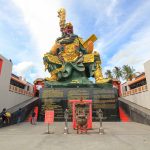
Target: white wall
<point>147,73</point>
<point>7,98</point>
<point>13,99</point>
<point>4,81</point>
<point>143,98</point>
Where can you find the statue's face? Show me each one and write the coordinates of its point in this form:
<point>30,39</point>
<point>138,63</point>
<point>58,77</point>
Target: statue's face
<point>68,30</point>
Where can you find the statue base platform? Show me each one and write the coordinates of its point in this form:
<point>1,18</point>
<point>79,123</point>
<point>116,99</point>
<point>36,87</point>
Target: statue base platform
<point>103,96</point>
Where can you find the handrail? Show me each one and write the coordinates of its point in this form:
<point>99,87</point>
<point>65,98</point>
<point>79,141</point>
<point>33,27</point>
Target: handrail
<point>22,104</point>
<point>135,91</point>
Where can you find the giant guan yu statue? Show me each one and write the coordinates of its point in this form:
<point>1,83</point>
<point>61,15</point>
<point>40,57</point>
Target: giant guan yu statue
<point>72,60</point>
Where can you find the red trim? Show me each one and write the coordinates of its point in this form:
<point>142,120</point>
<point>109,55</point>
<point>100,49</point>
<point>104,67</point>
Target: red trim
<point>123,115</point>
<point>1,63</point>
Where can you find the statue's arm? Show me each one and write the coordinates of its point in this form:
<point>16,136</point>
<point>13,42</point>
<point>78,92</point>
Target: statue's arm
<point>55,48</point>
<point>82,49</point>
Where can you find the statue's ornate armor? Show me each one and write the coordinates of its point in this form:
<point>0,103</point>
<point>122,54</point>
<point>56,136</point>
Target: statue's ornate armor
<point>70,54</point>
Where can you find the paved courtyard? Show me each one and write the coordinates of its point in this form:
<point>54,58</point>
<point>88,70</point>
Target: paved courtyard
<point>118,136</point>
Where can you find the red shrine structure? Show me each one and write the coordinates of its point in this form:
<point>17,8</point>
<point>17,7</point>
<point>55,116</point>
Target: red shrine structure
<point>74,112</point>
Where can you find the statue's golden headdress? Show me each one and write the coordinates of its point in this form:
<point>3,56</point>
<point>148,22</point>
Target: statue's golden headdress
<point>69,24</point>
<point>62,16</point>
<point>62,22</point>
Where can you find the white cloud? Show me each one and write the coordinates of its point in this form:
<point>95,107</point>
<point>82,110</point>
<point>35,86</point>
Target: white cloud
<point>111,8</point>
<point>135,52</point>
<point>41,20</point>
<point>30,70</point>
<point>39,72</point>
<point>21,68</point>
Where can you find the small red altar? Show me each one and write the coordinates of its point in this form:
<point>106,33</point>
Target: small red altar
<point>73,104</point>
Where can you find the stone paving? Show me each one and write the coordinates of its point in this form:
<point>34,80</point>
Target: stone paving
<point>118,136</point>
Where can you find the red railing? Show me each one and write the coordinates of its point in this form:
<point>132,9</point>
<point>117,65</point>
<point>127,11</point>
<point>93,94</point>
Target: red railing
<point>135,91</point>
<point>18,90</point>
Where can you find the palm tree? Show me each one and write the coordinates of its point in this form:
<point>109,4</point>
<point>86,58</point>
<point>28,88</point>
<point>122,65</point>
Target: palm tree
<point>108,74</point>
<point>117,72</point>
<point>128,72</point>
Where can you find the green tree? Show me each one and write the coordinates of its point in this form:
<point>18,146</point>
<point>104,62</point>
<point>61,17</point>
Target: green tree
<point>108,74</point>
<point>128,72</point>
<point>117,72</point>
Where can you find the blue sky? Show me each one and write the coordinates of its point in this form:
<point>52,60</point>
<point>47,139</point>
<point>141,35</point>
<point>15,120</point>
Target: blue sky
<point>28,29</point>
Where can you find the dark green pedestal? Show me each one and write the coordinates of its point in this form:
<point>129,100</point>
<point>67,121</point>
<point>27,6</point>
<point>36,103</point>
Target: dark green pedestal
<point>104,96</point>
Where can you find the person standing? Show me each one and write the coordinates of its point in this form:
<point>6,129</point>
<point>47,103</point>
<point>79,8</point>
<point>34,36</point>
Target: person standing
<point>3,115</point>
<point>19,115</point>
<point>33,120</point>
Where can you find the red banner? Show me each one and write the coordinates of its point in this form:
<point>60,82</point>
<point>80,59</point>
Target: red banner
<point>49,116</point>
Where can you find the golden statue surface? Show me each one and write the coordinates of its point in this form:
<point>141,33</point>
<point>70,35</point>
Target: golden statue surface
<point>72,59</point>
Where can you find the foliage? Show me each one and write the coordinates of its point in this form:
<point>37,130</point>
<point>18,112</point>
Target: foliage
<point>125,72</point>
<point>108,74</point>
<point>128,72</point>
<point>117,72</point>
